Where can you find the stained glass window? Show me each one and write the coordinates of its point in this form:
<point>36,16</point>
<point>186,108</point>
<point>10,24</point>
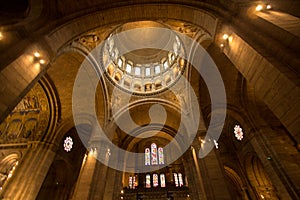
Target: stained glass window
<point>154,153</point>
<point>68,144</point>
<point>130,182</point>
<point>155,180</point>
<point>238,131</point>
<point>162,180</point>
<point>176,179</point>
<point>180,179</point>
<point>161,156</point>
<point>148,181</point>
<point>147,156</point>
<point>133,182</point>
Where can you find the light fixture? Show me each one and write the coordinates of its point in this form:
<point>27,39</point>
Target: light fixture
<point>42,61</point>
<point>259,7</point>
<point>225,36</point>
<point>268,6</point>
<point>122,191</point>
<point>222,45</point>
<point>37,54</point>
<point>1,36</point>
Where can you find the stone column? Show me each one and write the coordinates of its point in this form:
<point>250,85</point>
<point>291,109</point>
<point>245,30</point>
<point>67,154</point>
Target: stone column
<point>85,177</point>
<point>97,189</point>
<point>212,174</point>
<point>193,175</point>
<point>30,173</point>
<point>117,187</point>
<point>91,180</point>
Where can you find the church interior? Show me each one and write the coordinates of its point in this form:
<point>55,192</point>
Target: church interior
<point>149,99</point>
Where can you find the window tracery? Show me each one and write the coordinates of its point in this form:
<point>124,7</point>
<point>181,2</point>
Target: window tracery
<point>156,156</point>
<point>238,132</point>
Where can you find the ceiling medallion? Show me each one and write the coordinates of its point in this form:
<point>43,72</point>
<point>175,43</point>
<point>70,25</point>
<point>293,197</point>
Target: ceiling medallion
<point>68,144</point>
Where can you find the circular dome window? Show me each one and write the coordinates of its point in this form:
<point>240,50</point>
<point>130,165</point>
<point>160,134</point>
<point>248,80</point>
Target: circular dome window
<point>143,71</point>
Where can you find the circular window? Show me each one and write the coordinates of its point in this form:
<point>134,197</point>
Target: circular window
<point>68,144</point>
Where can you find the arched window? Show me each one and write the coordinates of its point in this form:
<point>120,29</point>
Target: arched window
<point>162,180</point>
<point>161,156</point>
<point>154,153</point>
<point>148,181</point>
<point>147,156</point>
<point>134,182</point>
<point>155,180</point>
<point>130,182</point>
<point>180,179</point>
<point>176,179</point>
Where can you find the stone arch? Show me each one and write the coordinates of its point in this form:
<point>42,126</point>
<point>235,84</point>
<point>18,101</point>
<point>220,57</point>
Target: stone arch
<point>258,178</point>
<point>65,168</point>
<point>8,166</point>
<point>236,184</point>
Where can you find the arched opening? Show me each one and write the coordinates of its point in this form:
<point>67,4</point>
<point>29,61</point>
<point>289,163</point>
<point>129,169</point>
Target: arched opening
<point>64,170</point>
<point>259,179</point>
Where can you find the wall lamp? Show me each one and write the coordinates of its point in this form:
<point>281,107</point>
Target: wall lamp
<point>225,38</point>
<point>261,7</point>
<point>37,56</point>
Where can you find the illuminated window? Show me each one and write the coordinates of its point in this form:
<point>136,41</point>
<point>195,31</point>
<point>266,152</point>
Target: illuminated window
<point>147,156</point>
<point>157,69</point>
<point>166,65</point>
<point>162,180</point>
<point>137,71</point>
<point>147,71</point>
<point>161,156</point>
<point>128,68</point>
<point>154,154</point>
<point>120,62</point>
<point>238,131</point>
<point>155,180</point>
<point>68,144</point>
<point>180,179</point>
<point>133,182</point>
<point>148,181</point>
<point>176,179</point>
<point>130,182</point>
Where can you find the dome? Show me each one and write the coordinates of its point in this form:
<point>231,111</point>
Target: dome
<point>143,71</point>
